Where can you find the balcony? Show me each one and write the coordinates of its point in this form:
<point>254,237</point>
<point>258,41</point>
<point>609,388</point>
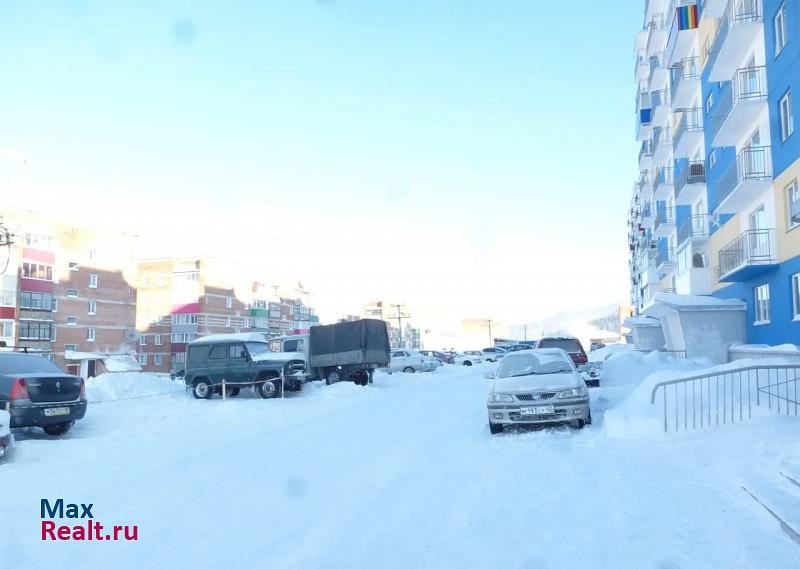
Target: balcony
<point>642,65</point>
<point>648,219</point>
<point>739,106</point>
<point>647,268</point>
<point>664,186</point>
<point>657,33</point>
<point>713,8</point>
<point>749,255</point>
<point>682,33</point>
<point>688,139</point>
<point>644,116</point>
<point>665,222</point>
<point>690,182</point>
<point>644,185</point>
<point>661,103</point>
<point>646,155</point>
<point>659,74</point>
<point>694,227</point>
<point>741,25</point>
<point>662,145</point>
<point>750,175</point>
<point>666,261</point>
<point>685,82</point>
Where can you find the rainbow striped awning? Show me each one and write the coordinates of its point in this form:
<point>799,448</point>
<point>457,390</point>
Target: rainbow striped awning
<point>687,17</point>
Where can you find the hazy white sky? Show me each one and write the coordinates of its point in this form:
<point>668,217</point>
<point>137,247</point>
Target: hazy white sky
<point>469,156</point>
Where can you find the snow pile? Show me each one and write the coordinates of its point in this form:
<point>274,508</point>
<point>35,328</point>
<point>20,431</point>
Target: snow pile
<point>5,421</point>
<point>603,354</point>
<point>115,386</point>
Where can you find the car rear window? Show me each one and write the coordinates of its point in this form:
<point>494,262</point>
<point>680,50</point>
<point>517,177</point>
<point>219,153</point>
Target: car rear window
<point>569,345</point>
<point>23,363</point>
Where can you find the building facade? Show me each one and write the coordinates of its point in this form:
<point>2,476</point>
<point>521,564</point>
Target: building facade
<point>277,310</point>
<point>731,68</point>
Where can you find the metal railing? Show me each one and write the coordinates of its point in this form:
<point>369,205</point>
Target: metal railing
<point>737,12</point>
<point>664,216</point>
<point>685,70</point>
<point>640,58</point>
<point>660,97</point>
<point>691,121</point>
<point>753,247</point>
<point>747,84</point>
<point>657,61</point>
<point>713,399</point>
<point>665,176</point>
<point>752,164</point>
<point>665,257</point>
<point>662,136</point>
<point>646,150</point>
<point>693,172</point>
<point>693,226</point>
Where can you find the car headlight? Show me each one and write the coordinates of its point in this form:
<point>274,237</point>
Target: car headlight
<point>500,398</point>
<point>572,393</point>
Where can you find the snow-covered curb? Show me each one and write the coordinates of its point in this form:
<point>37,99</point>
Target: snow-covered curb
<point>130,385</point>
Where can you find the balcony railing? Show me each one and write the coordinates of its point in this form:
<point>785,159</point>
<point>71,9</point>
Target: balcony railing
<point>684,18</point>
<point>691,121</point>
<point>657,61</point>
<point>664,216</point>
<point>646,150</point>
<point>738,12</point>
<point>753,247</point>
<point>693,227</point>
<point>660,97</point>
<point>640,59</point>
<point>752,164</point>
<point>665,257</point>
<point>693,173</point>
<point>687,69</point>
<point>748,84</point>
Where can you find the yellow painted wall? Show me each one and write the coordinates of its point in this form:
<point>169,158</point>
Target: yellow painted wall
<point>788,240</point>
<point>722,237</point>
<point>706,31</point>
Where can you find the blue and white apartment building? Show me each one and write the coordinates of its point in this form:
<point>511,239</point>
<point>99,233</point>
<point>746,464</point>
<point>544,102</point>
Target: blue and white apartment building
<point>716,206</point>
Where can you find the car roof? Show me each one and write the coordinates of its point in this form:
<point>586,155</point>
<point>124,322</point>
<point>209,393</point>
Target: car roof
<point>229,339</point>
<point>551,351</point>
<point>558,338</point>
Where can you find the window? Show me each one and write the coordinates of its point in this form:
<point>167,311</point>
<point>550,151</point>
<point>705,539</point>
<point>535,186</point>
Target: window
<point>144,282</point>
<point>709,103</point>
<point>55,304</point>
<point>158,339</point>
<point>157,359</point>
<point>142,340</point>
<point>92,307</point>
<point>786,117</point>
<point>72,292</point>
<point>72,321</point>
<point>712,158</point>
<point>7,329</point>
<point>70,347</point>
<point>184,318</point>
<point>228,302</point>
<point>142,359</point>
<point>92,280</point>
<point>179,358</point>
<point>236,351</point>
<point>792,203</point>
<point>91,334</point>
<point>781,35</point>
<point>182,338</point>
<point>73,266</point>
<point>761,304</point>
<point>228,322</point>
<point>34,330</point>
<point>218,353</point>
<point>37,271</point>
<point>796,296</point>
<point>36,301</point>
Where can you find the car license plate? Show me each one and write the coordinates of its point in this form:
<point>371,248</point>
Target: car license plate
<point>546,410</point>
<point>56,411</point>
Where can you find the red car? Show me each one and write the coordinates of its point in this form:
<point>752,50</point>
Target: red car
<point>575,350</point>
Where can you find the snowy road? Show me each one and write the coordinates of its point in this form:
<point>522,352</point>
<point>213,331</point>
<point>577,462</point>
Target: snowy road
<point>400,475</point>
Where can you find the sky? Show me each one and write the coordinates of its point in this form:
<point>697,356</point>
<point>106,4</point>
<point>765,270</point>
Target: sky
<point>470,158</point>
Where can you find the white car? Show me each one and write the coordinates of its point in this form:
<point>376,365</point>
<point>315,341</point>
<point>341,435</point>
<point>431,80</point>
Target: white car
<point>493,354</point>
<point>432,364</point>
<point>537,387</point>
<point>408,361</point>
<point>469,358</point>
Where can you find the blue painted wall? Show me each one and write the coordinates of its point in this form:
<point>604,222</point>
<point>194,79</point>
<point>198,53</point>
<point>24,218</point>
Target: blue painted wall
<point>783,73</point>
<point>781,329</point>
<point>725,157</point>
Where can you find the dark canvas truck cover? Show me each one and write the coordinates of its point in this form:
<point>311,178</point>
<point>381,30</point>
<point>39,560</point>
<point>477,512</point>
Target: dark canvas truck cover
<point>350,343</point>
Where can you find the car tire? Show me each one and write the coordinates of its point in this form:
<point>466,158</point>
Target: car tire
<point>495,428</point>
<point>334,376</point>
<point>468,363</point>
<point>408,369</point>
<point>234,392</point>
<point>58,429</point>
<point>201,389</point>
<point>268,389</point>
<point>579,424</point>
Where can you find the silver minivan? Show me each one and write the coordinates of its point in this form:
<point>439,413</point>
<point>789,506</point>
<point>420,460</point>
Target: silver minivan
<point>537,387</point>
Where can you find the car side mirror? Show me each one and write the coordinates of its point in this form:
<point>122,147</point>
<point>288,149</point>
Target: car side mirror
<point>489,374</point>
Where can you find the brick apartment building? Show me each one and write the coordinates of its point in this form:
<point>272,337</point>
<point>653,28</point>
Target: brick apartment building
<point>67,291</point>
<point>280,311</point>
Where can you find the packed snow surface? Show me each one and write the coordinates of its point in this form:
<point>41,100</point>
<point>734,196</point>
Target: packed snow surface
<point>401,474</point>
<point>5,421</point>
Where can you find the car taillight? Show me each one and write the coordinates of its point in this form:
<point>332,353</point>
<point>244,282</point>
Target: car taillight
<point>19,389</point>
<point>83,388</point>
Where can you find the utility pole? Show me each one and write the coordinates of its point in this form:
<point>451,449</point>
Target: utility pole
<point>400,317</point>
<point>489,322</point>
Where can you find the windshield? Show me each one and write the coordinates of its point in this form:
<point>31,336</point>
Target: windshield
<point>257,348</point>
<point>20,363</point>
<point>534,364</point>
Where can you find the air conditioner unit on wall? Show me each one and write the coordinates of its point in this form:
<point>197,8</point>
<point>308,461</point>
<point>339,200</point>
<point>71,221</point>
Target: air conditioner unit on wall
<point>697,169</point>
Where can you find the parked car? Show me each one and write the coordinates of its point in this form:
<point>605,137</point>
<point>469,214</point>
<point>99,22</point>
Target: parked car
<point>407,361</point>
<point>443,357</point>
<point>340,352</point>
<point>569,344</point>
<point>5,432</point>
<point>596,346</point>
<point>493,354</point>
<point>537,387</point>
<point>517,347</point>
<point>469,358</point>
<point>240,358</point>
<point>37,393</point>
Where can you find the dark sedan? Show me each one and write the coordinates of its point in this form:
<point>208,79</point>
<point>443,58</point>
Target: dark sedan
<point>443,357</point>
<point>38,394</point>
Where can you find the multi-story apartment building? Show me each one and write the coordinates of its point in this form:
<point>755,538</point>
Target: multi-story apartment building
<point>71,288</point>
<point>277,310</point>
<point>408,336</point>
<point>181,299</point>
<point>732,67</point>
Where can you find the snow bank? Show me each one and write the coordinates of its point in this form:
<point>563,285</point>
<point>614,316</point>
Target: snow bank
<point>113,386</point>
<point>603,354</point>
<point>5,421</point>
<point>636,416</point>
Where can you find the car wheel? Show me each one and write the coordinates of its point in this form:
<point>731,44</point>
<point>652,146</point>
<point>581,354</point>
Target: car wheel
<point>268,390</point>
<point>57,429</point>
<point>233,392</point>
<point>579,424</point>
<point>468,363</point>
<point>408,369</point>
<point>334,376</point>
<point>495,428</point>
<point>201,389</point>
